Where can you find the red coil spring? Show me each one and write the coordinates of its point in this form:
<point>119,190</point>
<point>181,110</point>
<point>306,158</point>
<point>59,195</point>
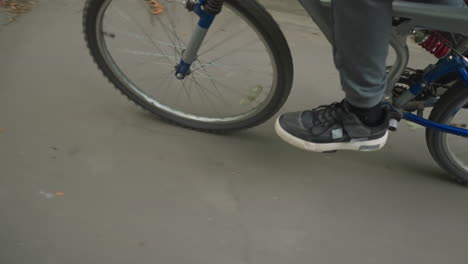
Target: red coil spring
<point>436,45</point>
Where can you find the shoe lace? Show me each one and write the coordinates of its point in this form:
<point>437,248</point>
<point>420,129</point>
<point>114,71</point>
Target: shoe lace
<point>327,114</point>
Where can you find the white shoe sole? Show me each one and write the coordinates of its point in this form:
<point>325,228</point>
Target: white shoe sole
<point>356,145</point>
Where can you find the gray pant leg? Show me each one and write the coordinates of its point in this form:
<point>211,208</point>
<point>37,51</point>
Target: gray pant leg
<point>361,36</point>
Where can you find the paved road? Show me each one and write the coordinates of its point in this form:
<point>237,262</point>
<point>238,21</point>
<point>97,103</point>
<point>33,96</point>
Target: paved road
<point>137,190</point>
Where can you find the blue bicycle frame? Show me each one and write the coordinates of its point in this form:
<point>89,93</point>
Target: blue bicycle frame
<point>443,67</point>
<point>190,54</point>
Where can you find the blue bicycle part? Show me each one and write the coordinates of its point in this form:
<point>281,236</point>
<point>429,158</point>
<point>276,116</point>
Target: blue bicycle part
<point>463,73</point>
<point>447,65</point>
<point>437,126</point>
<point>206,18</point>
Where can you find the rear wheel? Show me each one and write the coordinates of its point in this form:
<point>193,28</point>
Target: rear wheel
<point>241,78</point>
<point>450,151</point>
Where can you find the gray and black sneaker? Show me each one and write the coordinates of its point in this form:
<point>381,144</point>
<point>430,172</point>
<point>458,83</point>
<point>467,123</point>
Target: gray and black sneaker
<point>330,128</point>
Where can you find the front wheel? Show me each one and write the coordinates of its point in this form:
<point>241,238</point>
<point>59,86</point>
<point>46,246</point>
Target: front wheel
<point>241,78</point>
<point>451,151</point>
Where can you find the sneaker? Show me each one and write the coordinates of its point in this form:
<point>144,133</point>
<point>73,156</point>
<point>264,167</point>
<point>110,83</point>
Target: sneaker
<point>329,128</point>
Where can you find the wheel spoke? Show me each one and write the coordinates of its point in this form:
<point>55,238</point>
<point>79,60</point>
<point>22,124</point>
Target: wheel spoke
<point>145,53</point>
<point>174,28</point>
<point>175,50</point>
<point>223,41</point>
<point>166,88</point>
<point>202,90</point>
<point>147,35</point>
<point>187,93</point>
<point>220,27</point>
<point>142,38</point>
<point>229,52</point>
<point>165,29</point>
<point>214,80</point>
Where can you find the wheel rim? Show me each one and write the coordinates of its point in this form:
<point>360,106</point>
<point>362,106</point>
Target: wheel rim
<point>229,83</point>
<point>456,146</point>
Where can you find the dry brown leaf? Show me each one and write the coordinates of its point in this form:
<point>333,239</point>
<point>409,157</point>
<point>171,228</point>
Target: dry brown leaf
<point>156,7</point>
<point>16,6</point>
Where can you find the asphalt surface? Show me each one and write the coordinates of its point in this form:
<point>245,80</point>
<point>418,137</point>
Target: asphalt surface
<point>88,177</point>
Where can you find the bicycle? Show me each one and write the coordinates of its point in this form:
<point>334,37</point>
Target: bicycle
<point>190,85</point>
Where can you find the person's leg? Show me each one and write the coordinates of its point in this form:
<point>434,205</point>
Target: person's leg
<point>361,31</point>
<point>361,36</point>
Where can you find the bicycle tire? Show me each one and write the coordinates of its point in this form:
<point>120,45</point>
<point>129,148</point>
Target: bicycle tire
<point>441,112</point>
<point>263,23</point>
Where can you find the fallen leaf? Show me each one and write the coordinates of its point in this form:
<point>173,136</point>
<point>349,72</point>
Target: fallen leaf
<point>59,194</point>
<point>16,6</point>
<point>156,7</point>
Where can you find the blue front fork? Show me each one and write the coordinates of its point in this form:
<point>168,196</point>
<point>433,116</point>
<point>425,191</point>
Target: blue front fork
<point>190,54</point>
<point>445,66</point>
